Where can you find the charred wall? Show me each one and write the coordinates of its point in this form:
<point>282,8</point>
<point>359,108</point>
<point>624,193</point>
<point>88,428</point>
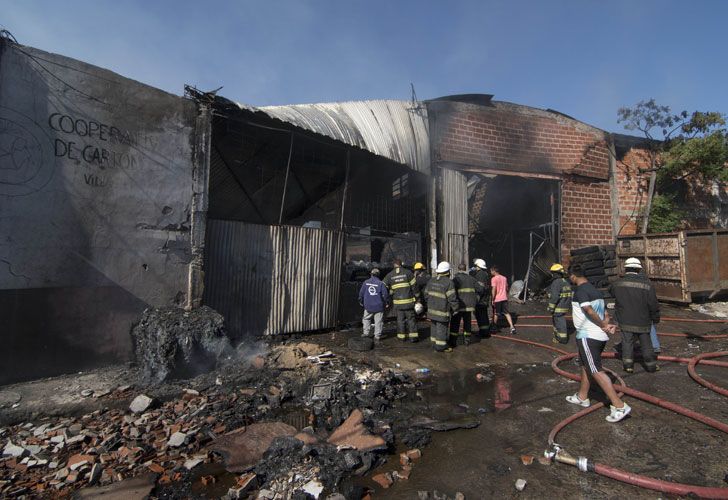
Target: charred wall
<point>102,201</point>
<point>504,138</point>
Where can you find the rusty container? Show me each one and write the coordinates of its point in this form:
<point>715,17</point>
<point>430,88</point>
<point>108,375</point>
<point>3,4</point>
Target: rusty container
<point>682,265</point>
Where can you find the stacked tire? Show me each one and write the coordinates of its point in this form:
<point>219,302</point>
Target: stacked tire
<point>599,264</point>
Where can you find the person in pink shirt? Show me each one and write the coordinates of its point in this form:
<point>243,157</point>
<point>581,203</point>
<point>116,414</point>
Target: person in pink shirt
<point>499,287</point>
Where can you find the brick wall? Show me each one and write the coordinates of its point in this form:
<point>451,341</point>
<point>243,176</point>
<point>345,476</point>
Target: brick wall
<point>586,214</point>
<point>631,185</point>
<point>516,138</point>
<point>511,138</point>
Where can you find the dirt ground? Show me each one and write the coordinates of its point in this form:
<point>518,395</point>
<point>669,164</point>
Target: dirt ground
<point>516,402</point>
<point>486,461</point>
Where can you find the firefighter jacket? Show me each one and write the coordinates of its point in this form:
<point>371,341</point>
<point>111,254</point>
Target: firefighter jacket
<point>441,298</point>
<point>483,278</point>
<point>421,280</point>
<point>636,306</point>
<point>401,284</point>
<point>560,294</point>
<point>468,291</point>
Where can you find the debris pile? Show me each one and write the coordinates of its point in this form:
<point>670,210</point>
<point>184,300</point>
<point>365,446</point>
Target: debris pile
<point>299,425</point>
<point>169,341</point>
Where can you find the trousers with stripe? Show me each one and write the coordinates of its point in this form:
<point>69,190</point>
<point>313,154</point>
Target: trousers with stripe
<point>481,316</point>
<point>439,335</point>
<point>406,324</point>
<point>648,353</point>
<point>466,318</point>
<point>561,334</point>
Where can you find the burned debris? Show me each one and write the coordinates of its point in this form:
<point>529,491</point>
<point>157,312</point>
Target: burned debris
<point>291,414</point>
<point>172,342</point>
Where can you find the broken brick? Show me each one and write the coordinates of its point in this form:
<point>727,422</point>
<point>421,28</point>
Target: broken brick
<point>414,454</point>
<point>155,468</point>
<point>384,479</point>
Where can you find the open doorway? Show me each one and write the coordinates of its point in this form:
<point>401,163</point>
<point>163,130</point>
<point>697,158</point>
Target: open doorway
<point>515,224</point>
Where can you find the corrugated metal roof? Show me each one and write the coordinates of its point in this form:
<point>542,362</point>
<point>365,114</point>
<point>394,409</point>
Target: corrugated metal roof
<point>397,130</point>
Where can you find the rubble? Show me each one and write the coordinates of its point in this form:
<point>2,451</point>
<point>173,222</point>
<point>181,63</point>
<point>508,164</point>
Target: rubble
<point>527,459</point>
<point>353,434</point>
<point>244,447</point>
<point>140,403</point>
<point>521,484</point>
<point>346,429</point>
<point>169,341</point>
<point>384,479</point>
<point>13,450</point>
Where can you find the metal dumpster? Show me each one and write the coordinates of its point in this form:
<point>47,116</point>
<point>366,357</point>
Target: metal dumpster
<point>681,265</point>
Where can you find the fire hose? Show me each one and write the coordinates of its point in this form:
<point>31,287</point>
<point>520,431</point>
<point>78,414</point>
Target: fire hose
<point>585,465</point>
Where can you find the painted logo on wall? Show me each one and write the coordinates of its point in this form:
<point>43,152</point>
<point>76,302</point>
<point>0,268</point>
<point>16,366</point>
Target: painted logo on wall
<point>26,159</point>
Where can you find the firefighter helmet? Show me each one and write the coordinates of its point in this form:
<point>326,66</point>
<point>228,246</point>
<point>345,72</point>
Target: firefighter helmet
<point>479,263</point>
<point>443,267</point>
<point>419,308</point>
<point>557,268</point>
<point>633,262</point>
<point>418,266</point>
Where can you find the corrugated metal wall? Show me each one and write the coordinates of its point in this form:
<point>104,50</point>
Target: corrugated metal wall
<point>454,217</point>
<point>269,280</point>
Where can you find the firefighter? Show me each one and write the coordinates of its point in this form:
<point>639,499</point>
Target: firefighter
<point>636,309</point>
<point>468,290</point>
<point>560,295</point>
<point>441,301</point>
<point>482,276</point>
<point>421,279</point>
<point>402,289</point>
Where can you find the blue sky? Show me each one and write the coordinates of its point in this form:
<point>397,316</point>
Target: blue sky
<point>584,58</point>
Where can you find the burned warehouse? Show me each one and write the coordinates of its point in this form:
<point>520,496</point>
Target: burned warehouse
<point>207,298</point>
<point>117,196</point>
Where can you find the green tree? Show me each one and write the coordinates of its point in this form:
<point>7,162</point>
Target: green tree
<point>679,146</point>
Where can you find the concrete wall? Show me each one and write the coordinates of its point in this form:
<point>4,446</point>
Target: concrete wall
<point>101,182</point>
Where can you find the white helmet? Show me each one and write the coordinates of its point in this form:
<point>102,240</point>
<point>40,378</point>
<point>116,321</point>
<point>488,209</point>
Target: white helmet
<point>443,267</point>
<point>633,262</point>
<point>479,263</point>
<point>419,308</point>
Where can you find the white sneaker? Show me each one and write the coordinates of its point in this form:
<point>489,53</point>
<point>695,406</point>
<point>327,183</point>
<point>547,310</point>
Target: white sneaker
<point>576,400</point>
<point>617,414</point>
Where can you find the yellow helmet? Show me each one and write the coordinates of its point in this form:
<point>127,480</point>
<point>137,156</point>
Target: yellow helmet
<point>557,268</point>
<point>419,265</point>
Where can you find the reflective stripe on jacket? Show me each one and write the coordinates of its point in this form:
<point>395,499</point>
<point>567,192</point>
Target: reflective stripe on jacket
<point>401,284</point>
<point>560,295</point>
<point>441,298</point>
<point>468,289</point>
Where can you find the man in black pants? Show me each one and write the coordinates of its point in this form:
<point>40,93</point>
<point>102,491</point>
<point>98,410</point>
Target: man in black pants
<point>467,290</point>
<point>482,276</point>
<point>636,309</point>
<point>402,289</point>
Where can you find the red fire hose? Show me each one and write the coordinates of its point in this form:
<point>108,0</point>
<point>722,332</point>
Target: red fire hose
<point>712,336</point>
<point>681,320</point>
<point>700,380</point>
<point>618,474</point>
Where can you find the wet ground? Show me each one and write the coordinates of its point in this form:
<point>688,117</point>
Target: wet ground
<point>524,399</point>
<point>511,390</point>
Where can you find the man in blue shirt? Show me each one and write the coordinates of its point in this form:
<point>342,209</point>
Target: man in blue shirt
<point>373,297</point>
<point>592,328</point>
